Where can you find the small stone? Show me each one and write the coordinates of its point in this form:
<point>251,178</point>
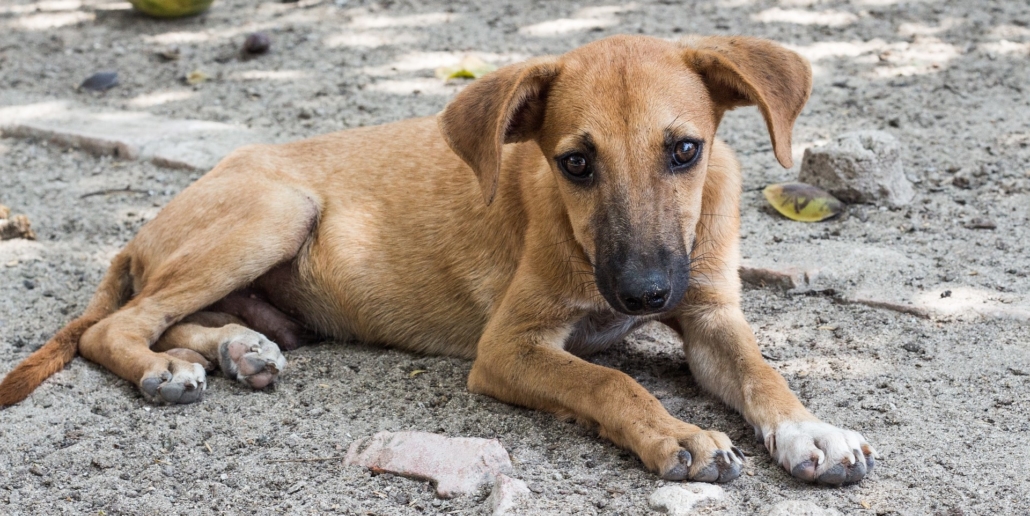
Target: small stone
<point>912,347</point>
<point>785,279</point>
<point>981,223</point>
<point>29,284</point>
<point>102,463</point>
<point>859,167</point>
<point>505,493</point>
<point>100,81</point>
<point>680,500</point>
<point>37,470</point>
<point>168,471</point>
<point>800,508</point>
<point>257,43</point>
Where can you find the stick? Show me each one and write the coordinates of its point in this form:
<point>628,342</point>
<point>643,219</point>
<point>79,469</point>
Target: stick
<point>316,459</point>
<point>113,191</point>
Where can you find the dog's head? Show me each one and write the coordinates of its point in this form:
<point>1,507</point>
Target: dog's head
<point>627,124</point>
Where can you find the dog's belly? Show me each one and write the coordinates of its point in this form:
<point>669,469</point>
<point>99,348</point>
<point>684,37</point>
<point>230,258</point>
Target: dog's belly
<point>599,331</point>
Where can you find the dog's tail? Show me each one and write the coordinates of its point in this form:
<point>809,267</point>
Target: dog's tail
<point>113,292</point>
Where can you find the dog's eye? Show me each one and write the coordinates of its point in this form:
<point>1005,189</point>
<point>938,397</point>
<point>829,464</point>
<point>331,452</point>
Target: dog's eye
<point>575,166</point>
<point>685,152</point>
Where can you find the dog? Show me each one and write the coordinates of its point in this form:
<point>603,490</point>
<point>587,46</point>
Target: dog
<point>552,207</point>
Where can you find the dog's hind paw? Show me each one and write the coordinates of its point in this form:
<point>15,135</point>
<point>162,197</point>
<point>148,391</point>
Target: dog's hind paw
<point>251,359</point>
<point>819,452</point>
<point>180,382</point>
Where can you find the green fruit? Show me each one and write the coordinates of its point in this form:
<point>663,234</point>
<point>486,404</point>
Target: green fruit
<point>171,8</point>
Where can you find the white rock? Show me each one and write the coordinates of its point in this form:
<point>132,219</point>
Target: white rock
<point>189,144</point>
<point>505,493</point>
<point>680,500</point>
<point>800,508</point>
<point>859,167</point>
<point>457,465</point>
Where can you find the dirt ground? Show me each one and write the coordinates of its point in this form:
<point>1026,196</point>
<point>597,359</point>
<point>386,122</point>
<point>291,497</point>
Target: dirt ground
<point>945,400</point>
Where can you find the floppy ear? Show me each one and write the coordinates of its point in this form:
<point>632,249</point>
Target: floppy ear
<point>505,106</point>
<point>742,71</point>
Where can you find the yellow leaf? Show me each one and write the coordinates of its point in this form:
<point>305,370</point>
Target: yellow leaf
<point>197,77</point>
<point>416,373</point>
<point>471,67</point>
<point>802,202</point>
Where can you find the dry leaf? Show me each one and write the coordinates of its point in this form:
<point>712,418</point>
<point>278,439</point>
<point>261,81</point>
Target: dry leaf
<point>802,202</point>
<point>471,67</point>
<point>197,77</point>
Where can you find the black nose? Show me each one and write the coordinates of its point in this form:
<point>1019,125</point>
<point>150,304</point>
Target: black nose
<point>649,293</point>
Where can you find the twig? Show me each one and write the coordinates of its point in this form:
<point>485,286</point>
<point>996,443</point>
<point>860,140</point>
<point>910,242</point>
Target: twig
<point>316,459</point>
<point>113,191</point>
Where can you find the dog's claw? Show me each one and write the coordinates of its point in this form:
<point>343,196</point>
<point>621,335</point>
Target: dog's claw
<point>738,453</point>
<point>682,467</point>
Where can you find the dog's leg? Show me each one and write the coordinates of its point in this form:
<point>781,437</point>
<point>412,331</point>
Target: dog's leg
<point>724,356</point>
<point>519,360</point>
<point>725,359</point>
<point>219,235</point>
<point>215,339</point>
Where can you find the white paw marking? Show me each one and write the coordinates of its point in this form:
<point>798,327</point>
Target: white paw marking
<point>791,444</point>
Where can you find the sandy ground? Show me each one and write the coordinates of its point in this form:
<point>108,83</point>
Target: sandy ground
<point>944,400</point>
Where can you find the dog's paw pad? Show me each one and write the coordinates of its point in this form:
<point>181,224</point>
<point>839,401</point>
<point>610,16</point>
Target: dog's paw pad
<point>251,359</point>
<point>182,382</point>
<point>820,452</point>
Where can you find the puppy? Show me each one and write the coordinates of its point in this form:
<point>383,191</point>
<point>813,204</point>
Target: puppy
<point>551,208</point>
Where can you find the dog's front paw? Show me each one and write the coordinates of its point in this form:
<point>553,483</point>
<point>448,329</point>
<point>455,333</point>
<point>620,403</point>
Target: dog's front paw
<point>700,456</point>
<point>251,359</point>
<point>814,451</point>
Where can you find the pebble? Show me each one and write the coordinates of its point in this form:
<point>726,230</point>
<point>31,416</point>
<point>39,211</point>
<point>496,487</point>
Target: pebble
<point>100,81</point>
<point>505,493</point>
<point>37,470</point>
<point>680,500</point>
<point>257,43</point>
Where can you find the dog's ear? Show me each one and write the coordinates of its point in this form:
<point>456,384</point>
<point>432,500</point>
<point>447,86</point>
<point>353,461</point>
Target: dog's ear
<point>742,71</point>
<point>505,106</point>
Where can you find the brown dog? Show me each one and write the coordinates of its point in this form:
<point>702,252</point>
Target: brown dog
<point>608,203</point>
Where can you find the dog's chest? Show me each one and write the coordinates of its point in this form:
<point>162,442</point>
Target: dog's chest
<point>598,331</point>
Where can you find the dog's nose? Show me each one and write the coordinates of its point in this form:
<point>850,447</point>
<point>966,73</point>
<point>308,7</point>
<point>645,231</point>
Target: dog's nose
<point>649,295</point>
